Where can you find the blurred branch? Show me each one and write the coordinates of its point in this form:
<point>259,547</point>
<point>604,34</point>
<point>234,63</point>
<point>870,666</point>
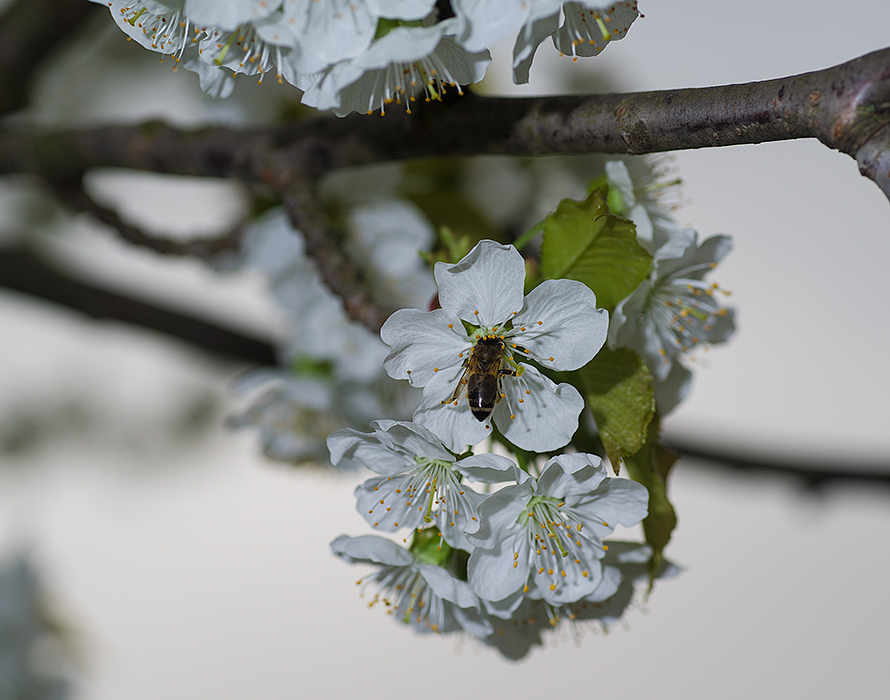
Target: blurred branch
<point>815,473</point>
<point>23,272</point>
<point>77,199</point>
<point>29,31</point>
<point>846,107</point>
<point>340,274</point>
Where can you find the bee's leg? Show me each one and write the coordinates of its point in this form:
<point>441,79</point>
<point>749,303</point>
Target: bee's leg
<point>510,372</point>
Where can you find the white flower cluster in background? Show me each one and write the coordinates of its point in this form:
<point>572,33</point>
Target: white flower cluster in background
<point>331,367</point>
<point>362,55</point>
<point>674,312</point>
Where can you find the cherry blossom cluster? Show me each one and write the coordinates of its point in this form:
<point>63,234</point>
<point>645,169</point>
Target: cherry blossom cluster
<point>532,549</point>
<point>363,55</point>
<point>487,520</point>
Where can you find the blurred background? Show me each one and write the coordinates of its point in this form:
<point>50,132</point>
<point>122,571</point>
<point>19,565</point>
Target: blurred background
<point>181,564</point>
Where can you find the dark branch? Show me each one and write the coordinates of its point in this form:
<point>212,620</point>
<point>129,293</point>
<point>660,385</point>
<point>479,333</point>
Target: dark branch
<point>29,31</point>
<point>345,279</point>
<point>23,272</point>
<point>846,107</point>
<point>815,473</point>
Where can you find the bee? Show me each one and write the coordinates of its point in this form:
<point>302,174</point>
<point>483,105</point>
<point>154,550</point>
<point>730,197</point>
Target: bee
<point>484,369</point>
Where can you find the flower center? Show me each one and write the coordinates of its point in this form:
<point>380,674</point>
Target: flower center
<point>555,537</point>
<point>684,312</point>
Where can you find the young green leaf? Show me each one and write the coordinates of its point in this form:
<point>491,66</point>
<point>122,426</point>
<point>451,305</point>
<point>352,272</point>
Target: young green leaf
<point>618,388</point>
<point>584,242</point>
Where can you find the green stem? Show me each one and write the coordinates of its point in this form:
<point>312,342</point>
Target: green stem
<point>523,240</point>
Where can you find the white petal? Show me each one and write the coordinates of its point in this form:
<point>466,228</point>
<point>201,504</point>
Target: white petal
<point>563,327</point>
<point>498,573</point>
<point>608,586</point>
<point>226,14</point>
<point>675,388</point>
<point>616,501</point>
<point>401,9</point>
<point>353,449</point>
<point>378,502</point>
<point>423,343</point>
<point>589,25</point>
<point>571,475</point>
<point>452,525</point>
<point>332,30</point>
<point>487,468</point>
<point>370,549</point>
<point>486,287</point>
<point>568,583</point>
<point>447,587</point>
<point>410,439</point>
<point>530,37</point>
<point>498,516</point>
<point>485,22</point>
<point>536,414</point>
<point>453,424</point>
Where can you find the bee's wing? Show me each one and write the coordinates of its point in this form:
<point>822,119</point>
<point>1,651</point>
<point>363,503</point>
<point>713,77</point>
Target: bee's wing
<point>460,388</point>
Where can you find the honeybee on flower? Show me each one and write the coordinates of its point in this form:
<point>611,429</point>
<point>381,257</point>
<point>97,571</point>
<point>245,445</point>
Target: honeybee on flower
<point>479,343</point>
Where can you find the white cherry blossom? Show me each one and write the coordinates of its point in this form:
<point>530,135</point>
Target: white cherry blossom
<point>421,482</point>
<point>557,325</point>
<point>418,592</point>
<point>404,62</point>
<point>544,537</point>
<point>675,311</point>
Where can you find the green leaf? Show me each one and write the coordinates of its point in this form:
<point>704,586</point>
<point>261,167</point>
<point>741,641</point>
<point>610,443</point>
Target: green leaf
<point>650,467</point>
<point>618,388</point>
<point>584,242</point>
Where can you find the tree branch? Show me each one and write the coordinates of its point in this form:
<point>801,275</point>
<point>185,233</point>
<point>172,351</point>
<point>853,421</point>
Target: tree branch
<point>345,279</point>
<point>77,199</point>
<point>846,107</point>
<point>23,272</point>
<point>29,31</point>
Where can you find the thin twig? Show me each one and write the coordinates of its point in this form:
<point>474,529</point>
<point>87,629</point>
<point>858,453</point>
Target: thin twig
<point>76,198</point>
